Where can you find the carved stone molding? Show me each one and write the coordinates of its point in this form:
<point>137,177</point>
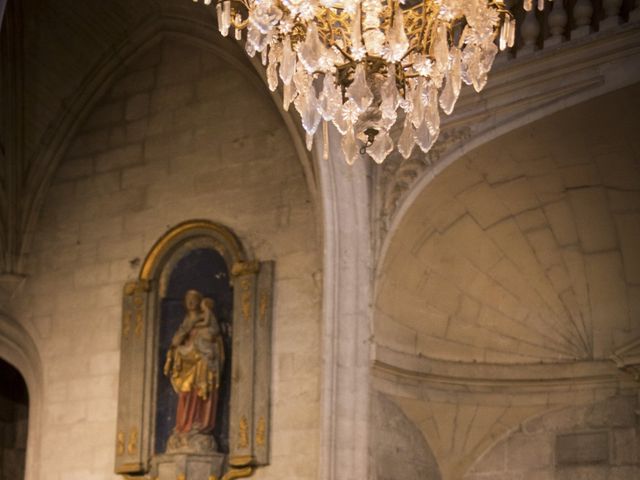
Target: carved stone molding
<point>476,377</point>
<point>627,358</point>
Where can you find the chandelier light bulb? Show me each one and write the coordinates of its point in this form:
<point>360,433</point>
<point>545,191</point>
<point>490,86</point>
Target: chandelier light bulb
<point>368,65</point>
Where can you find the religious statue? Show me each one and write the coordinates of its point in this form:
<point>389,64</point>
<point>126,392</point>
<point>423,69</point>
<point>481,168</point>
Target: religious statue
<point>194,365</point>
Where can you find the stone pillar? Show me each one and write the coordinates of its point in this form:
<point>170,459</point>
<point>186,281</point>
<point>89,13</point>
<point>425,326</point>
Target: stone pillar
<point>346,314</point>
<point>557,23</point>
<point>634,15</point>
<point>582,12</point>
<point>529,29</point>
<point>612,14</point>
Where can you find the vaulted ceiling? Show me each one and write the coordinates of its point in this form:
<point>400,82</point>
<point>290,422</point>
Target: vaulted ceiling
<point>526,249</point>
<point>54,54</point>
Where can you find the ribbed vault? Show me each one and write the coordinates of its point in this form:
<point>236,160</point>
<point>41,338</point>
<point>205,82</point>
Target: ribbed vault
<point>526,249</point>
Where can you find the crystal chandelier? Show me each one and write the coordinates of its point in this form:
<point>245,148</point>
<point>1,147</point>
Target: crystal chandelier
<point>365,65</point>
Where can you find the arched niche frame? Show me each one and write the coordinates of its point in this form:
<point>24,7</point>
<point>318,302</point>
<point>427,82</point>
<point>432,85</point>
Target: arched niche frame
<point>18,348</point>
<point>249,404</point>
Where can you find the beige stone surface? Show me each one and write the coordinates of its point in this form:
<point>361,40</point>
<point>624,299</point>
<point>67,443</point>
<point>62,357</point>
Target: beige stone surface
<point>539,234</point>
<point>579,442</point>
<point>130,174</point>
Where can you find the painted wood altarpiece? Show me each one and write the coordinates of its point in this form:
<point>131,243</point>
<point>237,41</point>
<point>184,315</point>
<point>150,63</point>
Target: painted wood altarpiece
<point>195,365</point>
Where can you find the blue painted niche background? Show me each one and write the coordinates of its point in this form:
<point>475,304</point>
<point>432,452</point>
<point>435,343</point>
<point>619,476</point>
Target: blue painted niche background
<point>204,270</point>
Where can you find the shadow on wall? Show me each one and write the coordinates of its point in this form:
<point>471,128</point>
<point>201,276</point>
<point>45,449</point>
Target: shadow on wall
<point>598,441</point>
<point>398,448</point>
<point>14,409</point>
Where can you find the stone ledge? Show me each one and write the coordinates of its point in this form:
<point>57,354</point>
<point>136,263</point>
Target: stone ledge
<point>541,377</point>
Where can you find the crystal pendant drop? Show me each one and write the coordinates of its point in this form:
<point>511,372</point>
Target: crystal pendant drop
<point>307,106</point>
<point>288,64</point>
<point>441,47</point>
<point>398,43</point>
<point>350,147</point>
<point>265,16</point>
<point>451,88</point>
<point>272,68</point>
<point>382,146</point>
<point>329,100</point>
<point>417,112</point>
<point>424,138</point>
<point>448,97</point>
<point>350,112</point>
<point>406,140</point>
<point>504,32</point>
<point>488,55</point>
<point>341,122</point>
<point>389,94</point>
<point>258,39</point>
<point>511,38</point>
<point>311,51</point>
<point>432,114</point>
<point>287,96</point>
<point>359,91</point>
<point>225,17</point>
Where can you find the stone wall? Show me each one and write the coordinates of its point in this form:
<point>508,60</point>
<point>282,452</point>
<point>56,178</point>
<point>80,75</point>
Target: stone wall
<point>181,135</point>
<point>13,438</point>
<point>503,292</point>
<point>596,442</point>
<point>398,448</point>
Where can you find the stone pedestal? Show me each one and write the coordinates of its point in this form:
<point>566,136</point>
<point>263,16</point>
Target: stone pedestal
<point>187,466</point>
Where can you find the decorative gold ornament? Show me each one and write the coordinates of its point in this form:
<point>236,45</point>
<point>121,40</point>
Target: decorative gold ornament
<point>261,432</point>
<point>120,448</point>
<point>241,466</point>
<point>238,473</point>
<point>246,299</point>
<point>366,64</point>
<point>239,269</point>
<point>126,323</point>
<point>132,446</point>
<point>243,433</point>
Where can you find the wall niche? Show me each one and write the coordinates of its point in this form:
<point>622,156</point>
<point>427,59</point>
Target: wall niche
<point>195,365</point>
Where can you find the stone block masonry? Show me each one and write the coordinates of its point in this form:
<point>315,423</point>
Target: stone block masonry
<point>169,142</point>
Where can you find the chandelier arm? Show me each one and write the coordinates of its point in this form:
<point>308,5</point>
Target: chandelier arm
<point>346,55</point>
<point>425,25</point>
<point>409,52</point>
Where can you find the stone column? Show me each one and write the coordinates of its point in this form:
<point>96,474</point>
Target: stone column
<point>346,314</point>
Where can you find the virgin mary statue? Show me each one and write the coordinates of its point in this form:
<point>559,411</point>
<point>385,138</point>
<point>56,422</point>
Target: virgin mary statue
<point>194,365</point>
